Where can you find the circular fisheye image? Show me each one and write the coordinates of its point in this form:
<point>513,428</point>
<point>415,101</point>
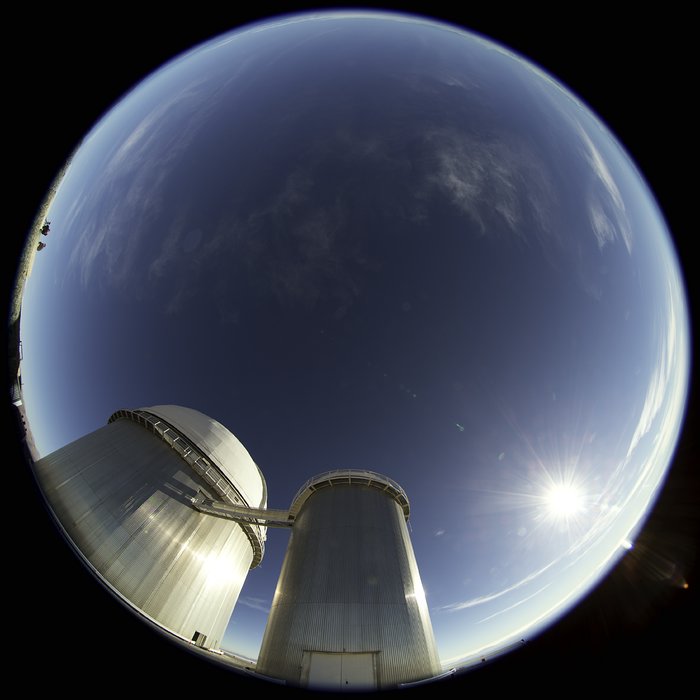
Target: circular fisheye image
<point>351,350</point>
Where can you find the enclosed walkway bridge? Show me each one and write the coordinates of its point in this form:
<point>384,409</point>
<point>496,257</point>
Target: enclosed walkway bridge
<point>268,517</point>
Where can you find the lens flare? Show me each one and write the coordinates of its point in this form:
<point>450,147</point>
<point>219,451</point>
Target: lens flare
<point>564,500</point>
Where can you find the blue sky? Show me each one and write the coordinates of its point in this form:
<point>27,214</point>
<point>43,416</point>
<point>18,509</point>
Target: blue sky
<point>509,326</point>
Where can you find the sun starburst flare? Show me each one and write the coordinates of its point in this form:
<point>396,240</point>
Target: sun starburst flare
<point>564,501</point>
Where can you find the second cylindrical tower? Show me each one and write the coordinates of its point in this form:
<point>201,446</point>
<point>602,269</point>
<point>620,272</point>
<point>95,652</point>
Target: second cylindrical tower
<point>349,610</point>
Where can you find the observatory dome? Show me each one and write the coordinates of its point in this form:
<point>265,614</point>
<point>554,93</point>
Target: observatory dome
<point>123,496</point>
<point>221,446</point>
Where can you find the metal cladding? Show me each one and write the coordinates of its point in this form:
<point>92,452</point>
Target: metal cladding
<point>123,495</point>
<point>349,610</point>
<point>222,447</point>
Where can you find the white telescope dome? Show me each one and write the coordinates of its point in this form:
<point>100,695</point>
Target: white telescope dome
<point>221,446</point>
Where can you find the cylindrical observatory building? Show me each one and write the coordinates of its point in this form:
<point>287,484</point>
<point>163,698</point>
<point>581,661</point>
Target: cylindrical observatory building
<point>349,611</point>
<point>123,495</point>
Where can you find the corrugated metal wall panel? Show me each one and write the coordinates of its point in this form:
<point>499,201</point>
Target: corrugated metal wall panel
<point>122,495</point>
<point>350,583</point>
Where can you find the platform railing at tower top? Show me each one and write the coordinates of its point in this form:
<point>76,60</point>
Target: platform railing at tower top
<point>350,476</point>
<point>285,518</point>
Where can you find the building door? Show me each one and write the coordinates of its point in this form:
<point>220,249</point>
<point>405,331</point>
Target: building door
<point>357,672</point>
<point>339,671</point>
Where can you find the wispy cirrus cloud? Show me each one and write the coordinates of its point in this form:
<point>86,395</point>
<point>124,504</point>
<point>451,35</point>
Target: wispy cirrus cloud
<point>606,207</point>
<point>489,597</point>
<point>126,197</point>
<point>499,183</point>
<point>255,603</point>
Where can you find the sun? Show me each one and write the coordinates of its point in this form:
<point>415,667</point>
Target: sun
<point>564,501</point>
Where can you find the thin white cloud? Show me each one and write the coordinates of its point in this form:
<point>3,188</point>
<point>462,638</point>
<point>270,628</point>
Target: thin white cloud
<point>127,195</point>
<point>147,135</point>
<point>517,603</point>
<point>299,245</point>
<point>480,600</point>
<point>658,383</point>
<point>665,397</point>
<point>500,184</point>
<point>606,208</point>
<point>170,250</point>
<point>255,603</point>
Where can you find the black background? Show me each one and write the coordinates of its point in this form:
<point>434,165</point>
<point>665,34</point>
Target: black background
<point>635,632</point>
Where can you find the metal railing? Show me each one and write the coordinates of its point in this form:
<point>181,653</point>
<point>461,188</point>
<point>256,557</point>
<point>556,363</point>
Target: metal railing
<point>338,477</point>
<point>266,517</point>
<point>233,506</point>
<point>204,467</point>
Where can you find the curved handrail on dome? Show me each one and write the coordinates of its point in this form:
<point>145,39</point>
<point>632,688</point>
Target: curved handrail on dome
<point>338,477</point>
<point>204,466</point>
